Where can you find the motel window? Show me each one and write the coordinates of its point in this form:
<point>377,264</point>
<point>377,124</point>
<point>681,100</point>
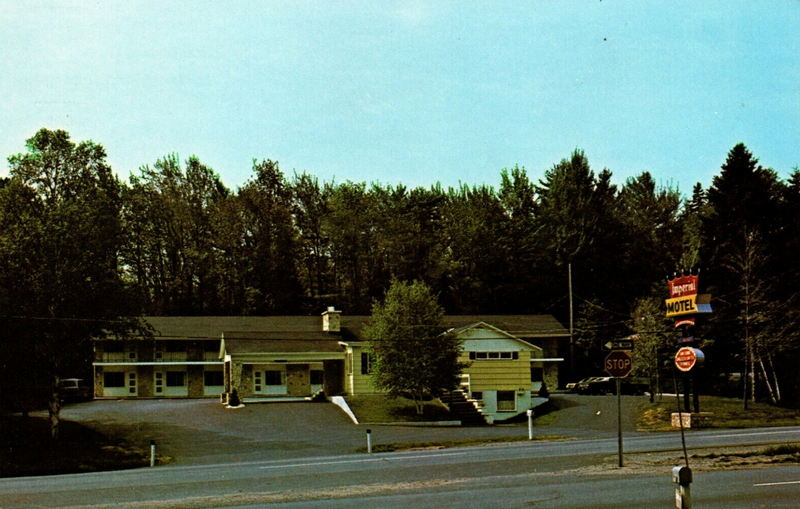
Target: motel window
<point>317,377</point>
<point>213,378</point>
<point>506,401</point>
<point>114,346</point>
<point>272,378</point>
<point>211,346</point>
<point>366,363</point>
<point>114,379</point>
<point>176,378</point>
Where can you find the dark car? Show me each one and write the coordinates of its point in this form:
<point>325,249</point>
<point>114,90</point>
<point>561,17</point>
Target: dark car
<point>74,389</point>
<point>608,385</point>
<point>598,385</point>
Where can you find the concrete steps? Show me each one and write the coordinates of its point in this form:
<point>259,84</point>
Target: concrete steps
<point>468,411</point>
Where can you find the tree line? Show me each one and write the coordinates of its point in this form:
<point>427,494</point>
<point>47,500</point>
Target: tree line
<point>81,248</point>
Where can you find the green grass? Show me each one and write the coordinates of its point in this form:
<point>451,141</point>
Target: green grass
<point>25,449</point>
<point>784,449</point>
<point>445,444</point>
<point>728,413</point>
<point>381,408</point>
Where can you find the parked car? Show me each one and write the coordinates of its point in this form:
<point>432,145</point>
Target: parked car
<point>74,389</point>
<point>598,385</point>
<point>608,385</point>
<point>573,386</point>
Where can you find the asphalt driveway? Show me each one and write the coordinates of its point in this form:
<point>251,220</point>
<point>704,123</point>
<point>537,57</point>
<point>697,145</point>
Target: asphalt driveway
<point>196,431</point>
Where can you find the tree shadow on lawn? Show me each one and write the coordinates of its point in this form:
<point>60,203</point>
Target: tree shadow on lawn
<point>26,449</point>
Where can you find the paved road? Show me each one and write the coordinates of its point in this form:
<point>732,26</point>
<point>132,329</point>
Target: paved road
<point>518,475</point>
<point>195,432</point>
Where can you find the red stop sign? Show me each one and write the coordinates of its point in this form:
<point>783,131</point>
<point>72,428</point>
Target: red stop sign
<point>618,363</point>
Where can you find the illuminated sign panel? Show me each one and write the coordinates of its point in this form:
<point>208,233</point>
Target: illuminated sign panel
<point>678,306</point>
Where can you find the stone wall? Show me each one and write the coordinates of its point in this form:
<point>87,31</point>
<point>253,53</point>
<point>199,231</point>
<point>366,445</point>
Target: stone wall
<point>245,386</point>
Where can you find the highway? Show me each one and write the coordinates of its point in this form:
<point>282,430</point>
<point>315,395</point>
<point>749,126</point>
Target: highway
<point>525,474</point>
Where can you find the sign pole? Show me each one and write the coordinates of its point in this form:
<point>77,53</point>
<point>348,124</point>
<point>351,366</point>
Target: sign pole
<point>619,419</point>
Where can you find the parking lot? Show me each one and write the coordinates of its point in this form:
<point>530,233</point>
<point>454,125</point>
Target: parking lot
<point>203,431</point>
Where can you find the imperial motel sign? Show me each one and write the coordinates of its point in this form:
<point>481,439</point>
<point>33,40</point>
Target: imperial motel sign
<point>684,300</point>
<point>683,296</point>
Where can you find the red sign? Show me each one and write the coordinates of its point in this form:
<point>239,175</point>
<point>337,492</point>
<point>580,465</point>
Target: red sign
<point>683,286</point>
<point>686,358</point>
<point>618,363</point>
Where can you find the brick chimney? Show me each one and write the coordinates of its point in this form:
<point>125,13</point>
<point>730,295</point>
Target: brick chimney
<point>332,320</point>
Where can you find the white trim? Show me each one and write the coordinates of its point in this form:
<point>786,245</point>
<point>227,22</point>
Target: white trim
<point>288,357</point>
<point>163,363</point>
<point>548,359</point>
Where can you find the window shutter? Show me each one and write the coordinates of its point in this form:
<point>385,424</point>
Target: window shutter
<point>364,363</point>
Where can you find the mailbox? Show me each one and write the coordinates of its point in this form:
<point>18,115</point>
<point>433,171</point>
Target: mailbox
<point>682,475</point>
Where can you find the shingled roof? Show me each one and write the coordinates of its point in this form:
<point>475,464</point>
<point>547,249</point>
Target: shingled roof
<point>309,328</point>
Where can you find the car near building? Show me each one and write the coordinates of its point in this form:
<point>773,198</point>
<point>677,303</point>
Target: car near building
<point>74,389</point>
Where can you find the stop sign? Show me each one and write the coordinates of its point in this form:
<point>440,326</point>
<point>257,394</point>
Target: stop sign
<point>618,363</point>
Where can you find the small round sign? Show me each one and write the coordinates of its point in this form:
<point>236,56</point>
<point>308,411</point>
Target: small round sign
<point>687,357</point>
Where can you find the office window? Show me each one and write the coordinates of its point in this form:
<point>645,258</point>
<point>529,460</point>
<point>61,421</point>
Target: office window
<point>506,401</point>
<point>273,378</point>
<point>213,378</point>
<point>366,363</point>
<point>493,355</point>
<point>176,378</point>
<point>114,379</point>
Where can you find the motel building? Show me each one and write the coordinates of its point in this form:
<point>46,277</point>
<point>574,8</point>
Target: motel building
<point>297,357</point>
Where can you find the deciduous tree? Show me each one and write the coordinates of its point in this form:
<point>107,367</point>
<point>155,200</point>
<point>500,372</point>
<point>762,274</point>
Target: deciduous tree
<point>413,357</point>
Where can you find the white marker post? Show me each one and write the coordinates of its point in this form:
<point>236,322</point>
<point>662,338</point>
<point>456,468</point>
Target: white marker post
<point>152,453</point>
<point>530,424</point>
<point>369,441</point>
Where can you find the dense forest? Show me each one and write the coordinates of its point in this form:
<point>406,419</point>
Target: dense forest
<point>79,248</point>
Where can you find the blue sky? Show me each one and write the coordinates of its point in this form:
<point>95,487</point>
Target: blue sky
<point>409,92</point>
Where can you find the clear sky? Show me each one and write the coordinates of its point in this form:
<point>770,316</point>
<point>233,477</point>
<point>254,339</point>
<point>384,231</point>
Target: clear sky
<point>409,92</point>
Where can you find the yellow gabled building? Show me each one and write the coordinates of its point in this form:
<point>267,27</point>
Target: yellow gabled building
<point>498,376</point>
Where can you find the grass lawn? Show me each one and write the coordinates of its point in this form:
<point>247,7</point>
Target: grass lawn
<point>25,449</point>
<point>728,413</point>
<point>464,442</point>
<point>378,408</point>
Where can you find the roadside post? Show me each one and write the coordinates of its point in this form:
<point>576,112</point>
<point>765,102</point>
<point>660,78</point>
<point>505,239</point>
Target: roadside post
<point>152,453</point>
<point>618,364</point>
<point>682,477</point>
<point>530,424</point>
<point>369,441</point>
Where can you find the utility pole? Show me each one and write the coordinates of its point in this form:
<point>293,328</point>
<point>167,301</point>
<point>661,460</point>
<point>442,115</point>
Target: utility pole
<point>571,335</point>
